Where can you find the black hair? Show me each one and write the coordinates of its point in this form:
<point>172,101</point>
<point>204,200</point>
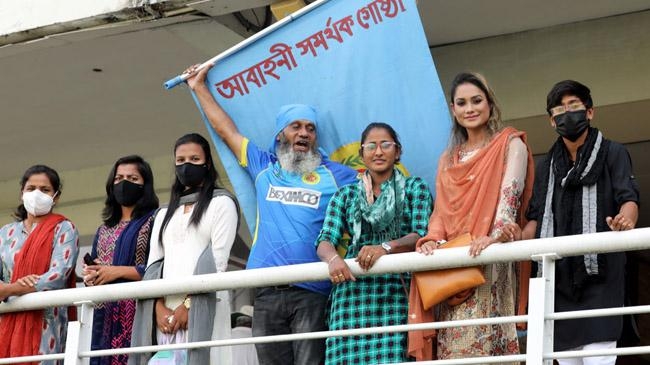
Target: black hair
<point>205,191</point>
<point>380,125</point>
<point>21,213</point>
<point>568,87</point>
<point>112,212</point>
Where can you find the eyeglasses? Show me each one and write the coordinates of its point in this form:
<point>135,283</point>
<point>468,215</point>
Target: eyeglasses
<point>573,107</point>
<point>384,145</point>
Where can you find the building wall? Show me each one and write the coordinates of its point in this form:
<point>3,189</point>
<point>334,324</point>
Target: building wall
<point>611,55</point>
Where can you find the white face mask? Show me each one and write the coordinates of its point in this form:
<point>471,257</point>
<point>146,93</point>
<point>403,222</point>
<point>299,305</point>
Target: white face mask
<point>37,203</point>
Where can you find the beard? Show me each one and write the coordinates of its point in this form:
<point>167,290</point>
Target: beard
<point>297,161</point>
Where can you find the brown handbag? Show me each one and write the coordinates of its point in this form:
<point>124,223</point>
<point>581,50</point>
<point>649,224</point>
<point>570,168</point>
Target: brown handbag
<point>454,285</point>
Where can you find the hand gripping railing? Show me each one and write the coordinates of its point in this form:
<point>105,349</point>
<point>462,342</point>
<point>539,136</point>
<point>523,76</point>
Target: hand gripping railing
<point>540,318</point>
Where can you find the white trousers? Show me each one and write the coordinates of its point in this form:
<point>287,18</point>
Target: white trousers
<point>595,360</point>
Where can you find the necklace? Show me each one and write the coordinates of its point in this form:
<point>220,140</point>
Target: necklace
<point>464,151</point>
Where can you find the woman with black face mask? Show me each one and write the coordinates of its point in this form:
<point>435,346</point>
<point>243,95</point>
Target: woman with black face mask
<point>192,236</point>
<point>120,250</point>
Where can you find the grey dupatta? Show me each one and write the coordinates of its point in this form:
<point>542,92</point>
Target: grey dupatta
<point>201,315</point>
<point>144,331</point>
<point>589,204</point>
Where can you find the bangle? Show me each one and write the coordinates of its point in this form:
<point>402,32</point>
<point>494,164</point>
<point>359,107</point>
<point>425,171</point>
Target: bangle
<point>332,258</point>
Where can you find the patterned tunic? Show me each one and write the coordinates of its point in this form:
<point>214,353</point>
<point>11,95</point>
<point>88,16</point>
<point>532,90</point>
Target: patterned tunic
<point>121,323</point>
<point>496,298</point>
<point>371,301</point>
<point>64,258</point>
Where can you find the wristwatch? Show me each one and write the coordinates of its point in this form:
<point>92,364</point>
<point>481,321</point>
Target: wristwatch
<point>386,246</point>
<point>187,303</point>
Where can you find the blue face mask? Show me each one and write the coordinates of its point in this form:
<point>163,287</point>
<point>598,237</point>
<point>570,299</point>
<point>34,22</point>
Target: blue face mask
<point>571,125</point>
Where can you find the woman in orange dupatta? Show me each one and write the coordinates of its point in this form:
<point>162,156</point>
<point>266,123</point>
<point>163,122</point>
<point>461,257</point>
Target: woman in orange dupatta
<point>484,179</point>
<point>37,252</point>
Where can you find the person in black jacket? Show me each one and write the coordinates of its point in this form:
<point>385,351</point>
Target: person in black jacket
<point>590,187</point>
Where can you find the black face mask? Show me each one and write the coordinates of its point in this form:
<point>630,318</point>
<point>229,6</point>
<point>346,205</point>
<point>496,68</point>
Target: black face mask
<point>127,193</point>
<point>571,125</point>
<point>191,175</point>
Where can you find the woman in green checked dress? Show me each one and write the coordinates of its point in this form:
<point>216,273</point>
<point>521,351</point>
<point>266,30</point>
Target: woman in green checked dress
<point>384,213</point>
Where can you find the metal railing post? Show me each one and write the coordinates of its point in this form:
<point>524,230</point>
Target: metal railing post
<point>541,303</point>
<point>79,335</point>
<point>535,339</point>
<point>548,273</point>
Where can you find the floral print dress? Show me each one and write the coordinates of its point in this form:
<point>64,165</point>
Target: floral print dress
<point>496,298</point>
<point>64,257</point>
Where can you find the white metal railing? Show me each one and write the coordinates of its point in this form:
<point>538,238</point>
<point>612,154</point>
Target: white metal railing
<point>540,318</point>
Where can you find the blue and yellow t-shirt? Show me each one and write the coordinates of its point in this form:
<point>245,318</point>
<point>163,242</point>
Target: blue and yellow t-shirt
<point>290,210</point>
